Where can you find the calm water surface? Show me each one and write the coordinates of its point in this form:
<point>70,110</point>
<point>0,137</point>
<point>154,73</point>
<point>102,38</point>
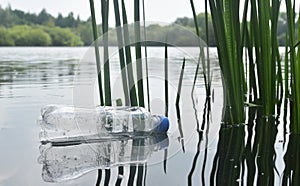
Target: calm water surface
<point>31,78</point>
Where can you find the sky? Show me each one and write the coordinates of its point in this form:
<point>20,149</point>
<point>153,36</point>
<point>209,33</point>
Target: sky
<point>165,11</point>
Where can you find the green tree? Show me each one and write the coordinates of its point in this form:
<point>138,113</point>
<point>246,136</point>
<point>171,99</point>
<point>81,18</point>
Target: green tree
<point>63,37</point>
<point>185,21</point>
<point>7,17</point>
<point>59,21</point>
<point>43,17</point>
<point>70,21</point>
<point>85,33</point>
<point>5,37</point>
<point>24,35</point>
<point>189,22</point>
<point>38,37</point>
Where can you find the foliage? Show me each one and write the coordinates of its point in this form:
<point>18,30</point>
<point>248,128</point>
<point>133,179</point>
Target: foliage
<point>5,37</point>
<point>83,29</point>
<point>63,37</point>
<point>263,82</point>
<point>189,22</point>
<point>24,35</point>
<point>227,28</point>
<point>27,29</point>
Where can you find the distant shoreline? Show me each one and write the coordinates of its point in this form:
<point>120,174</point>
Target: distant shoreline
<point>18,28</point>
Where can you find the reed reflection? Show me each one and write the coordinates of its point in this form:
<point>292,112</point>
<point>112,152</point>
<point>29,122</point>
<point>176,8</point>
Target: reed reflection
<point>245,153</point>
<point>200,129</point>
<point>292,161</point>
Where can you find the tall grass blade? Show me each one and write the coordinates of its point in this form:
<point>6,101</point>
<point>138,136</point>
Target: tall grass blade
<point>297,83</point>
<point>252,76</point>
<point>146,55</point>
<point>97,54</point>
<point>138,52</point>
<point>166,80</point>
<point>286,73</point>
<point>227,32</point>
<point>132,89</point>
<point>207,48</point>
<point>286,86</point>
<point>196,74</point>
<point>107,89</point>
<point>180,83</point>
<point>295,70</point>
<point>121,53</point>
<point>277,75</point>
<point>267,63</point>
<point>206,71</point>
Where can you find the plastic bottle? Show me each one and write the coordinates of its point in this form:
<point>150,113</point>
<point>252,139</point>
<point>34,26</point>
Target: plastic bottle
<point>65,123</point>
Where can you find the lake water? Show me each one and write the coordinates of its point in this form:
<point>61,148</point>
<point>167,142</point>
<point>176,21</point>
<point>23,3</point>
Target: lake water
<point>31,78</point>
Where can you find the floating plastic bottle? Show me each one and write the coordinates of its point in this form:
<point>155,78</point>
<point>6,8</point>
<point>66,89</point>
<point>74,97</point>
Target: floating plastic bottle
<point>62,163</point>
<point>72,124</point>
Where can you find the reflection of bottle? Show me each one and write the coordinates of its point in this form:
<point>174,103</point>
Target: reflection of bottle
<point>62,163</point>
<point>62,123</point>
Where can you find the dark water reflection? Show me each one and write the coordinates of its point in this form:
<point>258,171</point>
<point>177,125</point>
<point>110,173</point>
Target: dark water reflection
<point>201,151</point>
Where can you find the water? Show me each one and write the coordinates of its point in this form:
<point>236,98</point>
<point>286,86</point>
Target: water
<point>62,162</point>
<point>31,78</point>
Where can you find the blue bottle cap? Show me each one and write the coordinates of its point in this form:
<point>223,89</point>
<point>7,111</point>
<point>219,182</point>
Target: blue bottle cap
<point>164,124</point>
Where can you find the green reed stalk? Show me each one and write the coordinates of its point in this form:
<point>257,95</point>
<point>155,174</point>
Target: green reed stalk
<point>295,68</point>
<point>180,83</point>
<point>166,80</point>
<point>146,55</point>
<point>104,13</point>
<point>121,52</point>
<point>228,35</point>
<point>207,47</point>
<point>263,36</point>
<point>278,86</point>
<point>286,69</point>
<point>206,70</point>
<point>132,90</point>
<point>97,54</point>
<point>267,47</point>
<point>297,84</point>
<point>138,52</point>
<point>252,77</point>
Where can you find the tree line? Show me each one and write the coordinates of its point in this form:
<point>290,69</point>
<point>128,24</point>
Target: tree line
<point>18,28</point>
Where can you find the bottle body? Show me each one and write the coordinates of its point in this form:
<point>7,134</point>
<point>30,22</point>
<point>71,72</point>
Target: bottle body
<point>64,123</point>
<point>129,119</point>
